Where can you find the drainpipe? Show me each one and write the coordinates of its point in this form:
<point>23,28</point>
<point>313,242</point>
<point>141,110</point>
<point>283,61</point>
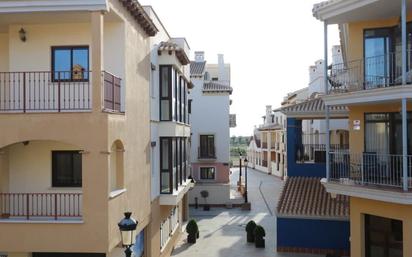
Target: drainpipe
<point>326,85</point>
<point>404,102</point>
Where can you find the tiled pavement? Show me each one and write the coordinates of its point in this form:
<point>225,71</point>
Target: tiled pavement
<point>222,231</point>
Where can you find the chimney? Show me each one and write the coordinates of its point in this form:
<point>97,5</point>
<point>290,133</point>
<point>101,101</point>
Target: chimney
<point>199,56</point>
<point>221,63</point>
<point>268,114</point>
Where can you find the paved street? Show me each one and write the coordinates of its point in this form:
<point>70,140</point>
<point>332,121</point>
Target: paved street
<point>222,231</point>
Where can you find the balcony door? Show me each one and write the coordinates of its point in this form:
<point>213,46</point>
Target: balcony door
<point>377,51</point>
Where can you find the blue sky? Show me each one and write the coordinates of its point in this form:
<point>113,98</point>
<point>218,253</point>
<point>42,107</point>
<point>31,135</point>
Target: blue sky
<point>269,44</point>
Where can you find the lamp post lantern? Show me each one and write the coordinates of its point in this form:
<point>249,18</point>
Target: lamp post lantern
<point>246,162</point>
<point>127,226</point>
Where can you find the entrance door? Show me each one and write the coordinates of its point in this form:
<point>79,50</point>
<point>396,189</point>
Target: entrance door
<point>383,237</point>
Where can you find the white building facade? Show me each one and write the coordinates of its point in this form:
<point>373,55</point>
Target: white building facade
<point>210,124</point>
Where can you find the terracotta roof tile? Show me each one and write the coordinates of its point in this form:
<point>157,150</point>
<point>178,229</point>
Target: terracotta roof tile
<point>215,86</point>
<point>306,197</point>
<point>313,108</point>
<point>173,47</point>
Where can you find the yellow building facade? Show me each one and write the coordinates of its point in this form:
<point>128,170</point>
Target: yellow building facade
<point>373,82</point>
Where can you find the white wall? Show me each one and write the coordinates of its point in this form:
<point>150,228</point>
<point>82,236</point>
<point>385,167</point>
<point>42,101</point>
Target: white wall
<point>210,115</point>
<point>218,193</point>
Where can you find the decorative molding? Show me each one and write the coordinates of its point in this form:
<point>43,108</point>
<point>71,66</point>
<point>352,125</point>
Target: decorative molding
<point>117,193</point>
<point>52,6</point>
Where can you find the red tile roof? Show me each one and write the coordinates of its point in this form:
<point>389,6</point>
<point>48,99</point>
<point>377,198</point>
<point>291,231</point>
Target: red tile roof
<point>306,197</point>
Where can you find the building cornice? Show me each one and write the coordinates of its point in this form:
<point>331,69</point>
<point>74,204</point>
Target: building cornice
<point>365,192</point>
<point>332,8</point>
<point>369,96</point>
<point>49,6</point>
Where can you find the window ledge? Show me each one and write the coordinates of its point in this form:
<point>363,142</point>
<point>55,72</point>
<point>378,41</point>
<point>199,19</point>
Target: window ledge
<point>116,193</point>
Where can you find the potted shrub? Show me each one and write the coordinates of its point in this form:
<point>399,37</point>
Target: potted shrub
<point>192,231</point>
<point>259,237</point>
<point>205,195</point>
<point>250,230</point>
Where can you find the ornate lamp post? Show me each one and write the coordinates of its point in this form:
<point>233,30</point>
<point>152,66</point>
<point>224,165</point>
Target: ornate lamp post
<point>127,226</point>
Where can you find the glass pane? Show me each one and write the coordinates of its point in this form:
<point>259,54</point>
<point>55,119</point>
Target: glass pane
<point>80,63</point>
<point>165,185</point>
<point>165,154</point>
<point>62,63</point>
<point>164,81</point>
<point>165,110</point>
<point>377,62</point>
<point>77,169</point>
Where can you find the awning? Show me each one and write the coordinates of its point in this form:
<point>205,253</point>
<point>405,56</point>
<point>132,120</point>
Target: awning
<point>314,109</point>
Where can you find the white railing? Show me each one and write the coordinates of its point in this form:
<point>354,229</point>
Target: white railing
<point>168,227</point>
<point>369,169</point>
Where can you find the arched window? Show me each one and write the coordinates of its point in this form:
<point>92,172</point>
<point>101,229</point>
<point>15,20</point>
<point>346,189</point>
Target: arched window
<point>116,178</point>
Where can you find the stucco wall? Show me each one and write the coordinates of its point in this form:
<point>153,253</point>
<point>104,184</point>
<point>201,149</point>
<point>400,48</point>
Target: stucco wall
<point>355,32</point>
<point>295,169</point>
<point>30,167</point>
<point>359,207</point>
<point>218,193</point>
<point>221,175</point>
<point>317,234</point>
<point>356,137</point>
<point>210,116</point>
<point>4,52</point>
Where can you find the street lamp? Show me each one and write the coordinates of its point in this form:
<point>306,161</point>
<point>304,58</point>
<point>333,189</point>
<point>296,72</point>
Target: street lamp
<point>245,162</point>
<point>127,226</point>
<point>240,167</point>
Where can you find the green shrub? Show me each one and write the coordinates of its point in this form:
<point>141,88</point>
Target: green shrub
<point>192,227</point>
<point>259,232</point>
<point>250,227</point>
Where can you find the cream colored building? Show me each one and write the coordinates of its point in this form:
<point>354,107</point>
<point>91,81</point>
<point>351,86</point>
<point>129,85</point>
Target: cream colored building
<point>75,125</point>
<point>170,134</point>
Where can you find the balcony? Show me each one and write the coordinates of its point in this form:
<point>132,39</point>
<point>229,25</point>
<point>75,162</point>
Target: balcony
<point>316,153</point>
<point>206,154</point>
<point>264,145</point>
<point>40,206</point>
<point>45,91</point>
<point>375,72</point>
<point>369,169</point>
<point>372,176</point>
<point>265,163</point>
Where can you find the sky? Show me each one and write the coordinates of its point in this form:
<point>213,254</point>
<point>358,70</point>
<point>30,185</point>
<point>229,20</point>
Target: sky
<point>270,45</point>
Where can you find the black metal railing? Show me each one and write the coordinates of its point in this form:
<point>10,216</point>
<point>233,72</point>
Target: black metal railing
<point>316,152</point>
<point>369,73</point>
<point>369,169</point>
<point>62,91</point>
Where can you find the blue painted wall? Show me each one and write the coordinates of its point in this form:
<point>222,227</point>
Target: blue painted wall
<point>317,234</point>
<point>294,137</point>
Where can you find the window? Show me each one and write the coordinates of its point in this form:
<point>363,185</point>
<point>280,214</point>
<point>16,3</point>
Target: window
<point>207,173</point>
<point>207,146</point>
<point>173,95</point>
<point>66,169</point>
<point>173,163</point>
<point>383,237</point>
<point>215,79</point>
<point>70,63</point>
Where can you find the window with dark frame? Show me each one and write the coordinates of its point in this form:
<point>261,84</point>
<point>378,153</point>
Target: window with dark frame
<point>173,163</point>
<point>207,173</point>
<point>66,169</point>
<point>207,146</point>
<point>173,95</point>
<point>70,63</point>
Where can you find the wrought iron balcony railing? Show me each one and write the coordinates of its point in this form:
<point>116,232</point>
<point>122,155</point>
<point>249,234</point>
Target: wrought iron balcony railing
<point>63,91</point>
<point>369,169</point>
<point>369,73</point>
